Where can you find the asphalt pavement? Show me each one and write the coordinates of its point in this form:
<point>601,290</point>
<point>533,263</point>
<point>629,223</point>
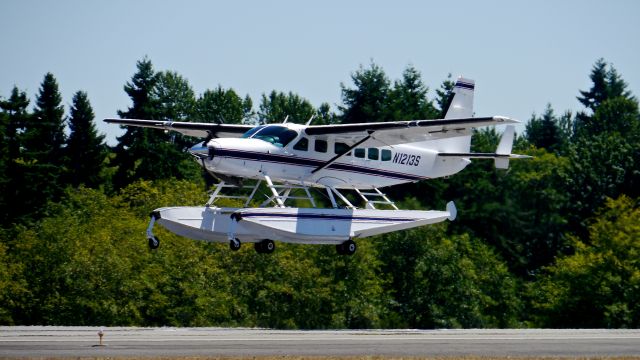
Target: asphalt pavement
<point>50,341</point>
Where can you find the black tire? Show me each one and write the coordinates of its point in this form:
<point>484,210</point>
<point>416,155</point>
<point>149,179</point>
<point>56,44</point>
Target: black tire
<point>265,246</point>
<point>349,247</point>
<point>154,242</point>
<point>268,246</point>
<point>234,245</point>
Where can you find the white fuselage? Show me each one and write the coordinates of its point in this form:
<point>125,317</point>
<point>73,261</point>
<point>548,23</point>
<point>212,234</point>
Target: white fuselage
<point>362,167</point>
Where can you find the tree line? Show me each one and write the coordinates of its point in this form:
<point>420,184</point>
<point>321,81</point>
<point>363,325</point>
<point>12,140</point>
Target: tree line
<point>552,242</point>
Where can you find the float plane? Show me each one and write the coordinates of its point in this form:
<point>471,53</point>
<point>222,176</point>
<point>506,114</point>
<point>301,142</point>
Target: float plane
<point>291,159</point>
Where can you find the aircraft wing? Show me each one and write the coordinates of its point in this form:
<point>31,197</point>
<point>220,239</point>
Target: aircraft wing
<point>398,132</point>
<point>195,129</point>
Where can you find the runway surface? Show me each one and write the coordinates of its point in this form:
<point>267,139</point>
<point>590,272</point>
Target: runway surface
<point>80,342</point>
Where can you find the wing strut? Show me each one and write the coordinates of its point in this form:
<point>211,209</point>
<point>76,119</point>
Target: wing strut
<point>333,159</point>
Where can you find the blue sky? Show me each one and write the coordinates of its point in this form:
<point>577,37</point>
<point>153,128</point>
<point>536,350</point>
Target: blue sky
<point>522,54</point>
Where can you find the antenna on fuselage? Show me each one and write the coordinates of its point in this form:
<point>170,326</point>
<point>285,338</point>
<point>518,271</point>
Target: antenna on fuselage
<point>310,119</point>
<point>285,119</point>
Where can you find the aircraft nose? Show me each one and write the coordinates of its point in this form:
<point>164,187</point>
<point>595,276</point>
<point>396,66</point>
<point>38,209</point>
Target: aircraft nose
<point>198,150</point>
<point>211,146</point>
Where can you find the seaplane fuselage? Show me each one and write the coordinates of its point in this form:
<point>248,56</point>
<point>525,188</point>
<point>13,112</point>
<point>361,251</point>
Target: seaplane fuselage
<point>286,154</point>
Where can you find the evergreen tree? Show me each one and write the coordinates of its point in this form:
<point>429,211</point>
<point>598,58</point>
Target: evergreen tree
<point>223,106</point>
<point>44,132</point>
<point>408,98</point>
<point>546,132</point>
<point>607,84</point>
<point>134,144</point>
<point>15,109</point>
<point>367,102</point>
<point>278,106</point>
<point>15,116</point>
<point>40,169</point>
<point>86,150</point>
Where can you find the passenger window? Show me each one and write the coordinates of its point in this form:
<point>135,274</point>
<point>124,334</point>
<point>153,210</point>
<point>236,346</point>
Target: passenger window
<point>359,153</point>
<point>386,155</point>
<point>321,146</point>
<point>374,154</point>
<point>302,145</point>
<point>340,148</point>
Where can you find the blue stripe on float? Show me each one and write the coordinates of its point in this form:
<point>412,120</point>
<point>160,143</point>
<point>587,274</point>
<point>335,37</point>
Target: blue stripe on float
<point>325,217</point>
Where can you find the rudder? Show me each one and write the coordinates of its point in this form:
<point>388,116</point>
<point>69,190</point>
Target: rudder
<point>461,106</point>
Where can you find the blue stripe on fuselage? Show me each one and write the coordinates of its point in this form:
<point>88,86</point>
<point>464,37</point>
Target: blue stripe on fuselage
<point>294,160</point>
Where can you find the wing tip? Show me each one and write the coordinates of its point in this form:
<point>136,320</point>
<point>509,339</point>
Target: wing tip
<point>506,119</point>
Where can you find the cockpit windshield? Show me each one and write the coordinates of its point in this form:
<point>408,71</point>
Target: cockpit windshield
<point>277,135</point>
<point>249,133</point>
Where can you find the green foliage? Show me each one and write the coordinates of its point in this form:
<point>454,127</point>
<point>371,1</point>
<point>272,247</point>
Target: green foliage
<point>174,96</point>
<point>89,264</point>
<point>447,281</point>
<point>549,131</point>
<point>224,106</point>
<point>520,212</point>
<point>278,106</point>
<point>13,286</point>
<point>368,100</point>
<point>143,153</point>
<point>408,98</point>
<point>598,285</point>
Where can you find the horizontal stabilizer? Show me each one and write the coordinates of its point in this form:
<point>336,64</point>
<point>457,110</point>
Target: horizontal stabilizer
<point>501,160</point>
<point>502,154</point>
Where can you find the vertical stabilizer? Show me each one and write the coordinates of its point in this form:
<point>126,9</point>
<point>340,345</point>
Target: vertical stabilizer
<point>461,106</point>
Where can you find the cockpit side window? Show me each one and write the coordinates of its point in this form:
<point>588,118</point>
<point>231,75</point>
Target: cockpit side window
<point>302,144</point>
<point>277,135</point>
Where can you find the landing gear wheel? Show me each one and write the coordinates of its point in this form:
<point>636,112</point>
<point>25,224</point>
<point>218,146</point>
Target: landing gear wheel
<point>346,248</point>
<point>265,246</point>
<point>234,244</point>
<point>154,242</point>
